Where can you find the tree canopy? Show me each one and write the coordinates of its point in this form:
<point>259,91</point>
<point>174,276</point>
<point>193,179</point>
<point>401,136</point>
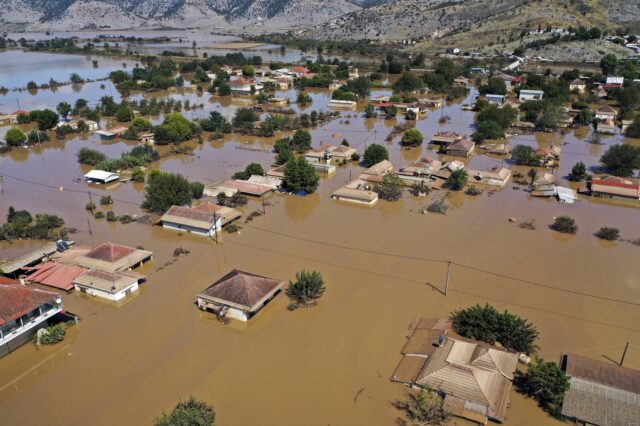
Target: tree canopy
<point>175,129</point>
<point>485,323</point>
<point>374,154</point>
<point>300,176</point>
<point>191,412</point>
<point>412,137</point>
<point>547,383</point>
<point>621,159</point>
<point>166,189</point>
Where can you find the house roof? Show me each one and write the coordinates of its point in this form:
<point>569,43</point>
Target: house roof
<point>187,216</point>
<point>356,193</point>
<point>601,392</point>
<point>606,109</point>
<point>241,82</point>
<point>58,275</point>
<point>17,300</point>
<point>111,257</point>
<point>477,373</point>
<point>462,145</point>
<point>27,259</point>
<point>379,169</point>
<point>616,181</point>
<point>241,289</point>
<point>101,175</point>
<point>578,82</point>
<point>111,282</point>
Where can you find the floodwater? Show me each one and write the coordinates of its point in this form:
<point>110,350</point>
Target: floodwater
<point>383,266</point>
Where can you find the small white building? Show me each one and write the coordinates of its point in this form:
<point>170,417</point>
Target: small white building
<point>530,95</point>
<point>614,80</point>
<point>205,219</point>
<point>578,85</point>
<point>238,295</point>
<point>107,285</point>
<point>340,104</point>
<point>606,113</point>
<point>101,177</point>
<point>494,99</point>
<point>245,86</point>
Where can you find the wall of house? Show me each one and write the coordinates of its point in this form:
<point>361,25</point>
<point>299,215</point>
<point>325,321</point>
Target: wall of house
<point>237,314</point>
<point>108,295</point>
<point>191,229</point>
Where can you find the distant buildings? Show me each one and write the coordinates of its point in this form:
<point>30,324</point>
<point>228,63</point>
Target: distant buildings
<point>530,95</point>
<point>606,113</point>
<point>614,186</point>
<point>494,99</point>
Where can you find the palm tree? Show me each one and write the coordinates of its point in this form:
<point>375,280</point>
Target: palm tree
<point>307,288</point>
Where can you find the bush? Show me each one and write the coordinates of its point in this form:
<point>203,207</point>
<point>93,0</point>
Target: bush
<point>90,156</point>
<point>307,289</point>
<point>457,179</point>
<point>355,157</point>
<point>106,200</point>
<point>192,412</point>
<point>99,214</point>
<point>390,189</point>
<point>424,408</point>
<point>608,233</point>
<point>137,175</point>
<point>473,191</point>
<point>374,154</point>
<point>125,219</point>
<point>15,137</point>
<point>564,224</point>
<point>438,206</point>
<point>250,170</point>
<point>111,216</point>
<point>166,189</point>
<point>55,334</point>
<point>490,326</point>
<point>412,137</point>
<point>547,383</point>
<point>301,141</point>
<point>524,155</point>
<point>578,172</point>
<point>90,206</point>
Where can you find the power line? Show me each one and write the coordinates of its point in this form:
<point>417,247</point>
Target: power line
<point>473,268</point>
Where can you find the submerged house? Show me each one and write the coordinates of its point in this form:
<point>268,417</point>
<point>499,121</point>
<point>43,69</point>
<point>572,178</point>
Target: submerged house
<point>204,219</point>
<point>238,295</point>
<point>107,285</point>
<point>377,172</point>
<point>244,86</point>
<point>461,148</point>
<point>614,186</point>
<point>600,393</point>
<point>497,178</point>
<point>101,177</point>
<point>111,257</point>
<point>24,310</point>
<point>446,138</point>
<point>606,113</point>
<point>357,191</point>
<point>530,95</point>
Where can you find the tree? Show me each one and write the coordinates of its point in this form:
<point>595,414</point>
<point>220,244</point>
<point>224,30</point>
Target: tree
<point>63,109</point>
<point>495,86</point>
<point>633,131</point>
<point>578,172</point>
<point>390,111</point>
<point>214,122</point>
<point>250,170</point>
<point>424,408</point>
<point>609,63</point>
<point>46,118</point>
<point>248,71</point>
<point>124,114</point>
<point>90,156</point>
<point>547,383</point>
<point>524,155</point>
<point>306,289</point>
<point>175,129</point>
<point>224,89</point>
<point>374,154</point>
<point>487,130</point>
<point>300,176</point>
<point>301,141</point>
<point>391,188</point>
<point>412,137</point>
<point>584,117</point>
<point>166,189</point>
<point>457,179</point>
<point>408,82</point>
<point>244,115</point>
<point>192,412</point>
<point>621,159</point>
<point>15,137</point>
<point>369,110</point>
<point>485,323</point>
<point>75,78</point>
<point>565,225</point>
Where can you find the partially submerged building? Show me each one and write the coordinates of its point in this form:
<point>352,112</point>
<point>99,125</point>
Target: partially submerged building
<point>461,148</point>
<point>204,219</point>
<point>238,295</point>
<point>357,191</point>
<point>614,186</point>
<point>499,177</point>
<point>377,172</point>
<point>446,138</point>
<point>101,177</point>
<point>474,378</point>
<point>601,393</point>
<point>111,257</point>
<point>530,95</point>
<point>113,286</point>
<point>24,310</point>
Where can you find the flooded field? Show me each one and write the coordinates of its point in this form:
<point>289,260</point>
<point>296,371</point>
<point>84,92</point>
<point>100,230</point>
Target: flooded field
<point>383,265</point>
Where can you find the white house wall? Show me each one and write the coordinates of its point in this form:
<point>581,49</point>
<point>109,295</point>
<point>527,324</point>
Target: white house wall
<point>108,295</point>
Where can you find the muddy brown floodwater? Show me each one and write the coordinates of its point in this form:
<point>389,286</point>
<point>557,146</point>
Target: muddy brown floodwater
<point>383,267</point>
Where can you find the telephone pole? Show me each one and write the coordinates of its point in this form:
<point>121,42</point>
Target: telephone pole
<point>446,285</point>
<point>626,346</point>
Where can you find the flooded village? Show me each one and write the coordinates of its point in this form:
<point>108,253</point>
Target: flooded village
<point>290,163</point>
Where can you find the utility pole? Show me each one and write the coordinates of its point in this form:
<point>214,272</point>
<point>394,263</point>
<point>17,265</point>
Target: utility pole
<point>2,185</point>
<point>446,285</point>
<point>626,346</point>
<point>215,227</point>
<point>91,206</point>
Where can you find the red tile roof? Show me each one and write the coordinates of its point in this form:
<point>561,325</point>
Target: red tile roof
<point>109,252</point>
<point>8,281</point>
<point>58,275</point>
<point>617,182</point>
<point>242,288</point>
<point>17,300</point>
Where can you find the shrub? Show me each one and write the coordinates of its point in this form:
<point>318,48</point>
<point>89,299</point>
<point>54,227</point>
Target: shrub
<point>565,224</point>
<point>578,172</point>
<point>621,159</point>
<point>99,214</point>
<point>55,334</point>
<point>424,408</point>
<point>192,412</point>
<point>90,156</point>
<point>355,157</point>
<point>125,219</point>
<point>490,326</point>
<point>166,189</point>
<point>106,200</point>
<point>438,206</point>
<point>547,383</point>
<point>15,137</point>
<point>608,233</point>
<point>412,137</point>
<point>137,175</point>
<point>524,155</point>
<point>473,191</point>
<point>374,154</point>
<point>90,206</point>
<point>307,289</point>
<point>111,216</point>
